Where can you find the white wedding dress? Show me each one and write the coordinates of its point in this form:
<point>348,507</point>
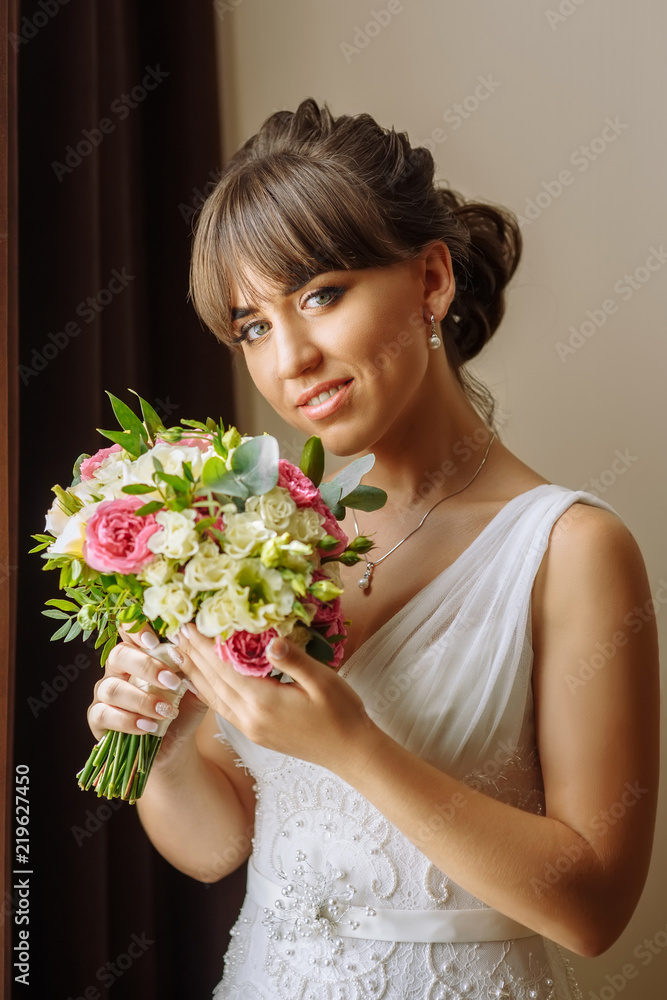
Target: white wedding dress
<point>364,914</point>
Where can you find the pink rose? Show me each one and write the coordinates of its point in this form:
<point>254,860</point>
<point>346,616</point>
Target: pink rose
<point>89,465</point>
<point>116,537</point>
<point>331,526</point>
<point>246,652</point>
<point>300,488</point>
<point>203,443</point>
<point>329,613</point>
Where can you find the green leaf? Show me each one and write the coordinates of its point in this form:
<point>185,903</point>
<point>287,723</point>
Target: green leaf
<point>63,630</point>
<point>126,417</point>
<point>255,464</point>
<point>52,613</point>
<point>137,488</point>
<point>149,508</point>
<point>63,605</point>
<point>69,502</point>
<point>231,485</point>
<point>365,498</point>
<point>331,494</point>
<point>312,460</point>
<point>77,567</point>
<point>126,439</point>
<point>214,470</point>
<point>178,484</point>
<point>75,630</point>
<point>350,477</point>
<point>187,471</point>
<point>76,595</point>
<point>76,468</point>
<point>196,423</point>
<point>41,546</point>
<point>319,647</point>
<point>151,418</point>
<point>109,645</point>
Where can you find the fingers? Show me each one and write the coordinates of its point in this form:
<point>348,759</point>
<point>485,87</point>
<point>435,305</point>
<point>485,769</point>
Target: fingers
<point>122,706</point>
<point>210,675</point>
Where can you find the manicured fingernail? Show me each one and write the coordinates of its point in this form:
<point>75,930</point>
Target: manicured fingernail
<point>175,656</point>
<point>165,709</point>
<point>148,725</point>
<point>149,640</point>
<point>277,648</point>
<point>191,687</point>
<point>175,638</point>
<point>169,680</point>
<point>185,631</point>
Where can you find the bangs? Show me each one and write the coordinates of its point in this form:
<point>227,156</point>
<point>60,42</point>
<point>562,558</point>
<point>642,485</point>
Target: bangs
<point>283,220</point>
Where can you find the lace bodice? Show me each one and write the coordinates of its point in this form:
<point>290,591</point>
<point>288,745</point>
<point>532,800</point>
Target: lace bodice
<point>449,678</point>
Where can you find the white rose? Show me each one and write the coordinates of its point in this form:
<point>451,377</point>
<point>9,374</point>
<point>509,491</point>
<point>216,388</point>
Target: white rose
<point>157,572</point>
<point>210,569</point>
<point>275,508</point>
<point>306,525</point>
<point>56,519</point>
<point>217,616</point>
<point>245,534</point>
<point>178,538</point>
<point>170,602</point>
<point>171,456</point>
<point>71,538</point>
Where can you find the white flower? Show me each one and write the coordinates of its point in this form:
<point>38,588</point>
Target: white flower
<point>332,570</point>
<point>73,535</point>
<point>209,569</point>
<point>275,508</point>
<point>56,519</point>
<point>171,456</point>
<point>306,525</point>
<point>245,534</point>
<point>170,602</point>
<point>157,572</point>
<point>256,599</point>
<point>178,538</point>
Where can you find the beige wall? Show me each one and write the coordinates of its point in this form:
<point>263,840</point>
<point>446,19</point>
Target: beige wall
<point>537,82</point>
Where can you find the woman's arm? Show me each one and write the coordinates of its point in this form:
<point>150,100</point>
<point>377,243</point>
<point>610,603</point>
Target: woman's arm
<point>199,811</point>
<point>576,874</point>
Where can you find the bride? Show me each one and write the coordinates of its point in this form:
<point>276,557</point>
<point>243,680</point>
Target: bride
<point>474,790</point>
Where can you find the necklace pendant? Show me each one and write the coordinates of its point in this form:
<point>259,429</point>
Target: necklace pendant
<point>365,581</point>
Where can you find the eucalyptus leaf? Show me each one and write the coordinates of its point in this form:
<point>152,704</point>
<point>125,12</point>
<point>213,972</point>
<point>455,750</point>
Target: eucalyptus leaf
<point>231,485</point>
<point>349,478</point>
<point>365,498</point>
<point>331,494</point>
<point>255,464</point>
<point>214,469</point>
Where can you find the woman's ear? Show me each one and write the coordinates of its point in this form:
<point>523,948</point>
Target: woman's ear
<point>439,281</point>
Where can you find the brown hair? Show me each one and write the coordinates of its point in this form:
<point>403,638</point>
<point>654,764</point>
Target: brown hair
<point>310,193</point>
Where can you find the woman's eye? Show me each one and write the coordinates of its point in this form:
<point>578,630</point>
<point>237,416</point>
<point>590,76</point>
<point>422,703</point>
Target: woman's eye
<point>247,333</point>
<point>332,293</point>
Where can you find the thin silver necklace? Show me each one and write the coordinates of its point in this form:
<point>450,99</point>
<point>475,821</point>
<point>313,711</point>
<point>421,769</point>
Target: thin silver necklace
<point>365,581</point>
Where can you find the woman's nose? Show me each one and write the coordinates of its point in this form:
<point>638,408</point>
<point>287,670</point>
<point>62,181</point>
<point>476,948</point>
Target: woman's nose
<point>295,351</point>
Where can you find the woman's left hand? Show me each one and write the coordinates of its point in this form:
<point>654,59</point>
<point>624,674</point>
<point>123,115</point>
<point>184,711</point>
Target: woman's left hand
<point>319,718</point>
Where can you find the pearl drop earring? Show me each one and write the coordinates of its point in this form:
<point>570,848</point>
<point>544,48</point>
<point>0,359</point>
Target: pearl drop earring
<point>434,341</point>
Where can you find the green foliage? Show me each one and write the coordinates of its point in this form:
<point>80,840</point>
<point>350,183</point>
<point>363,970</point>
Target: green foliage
<point>312,460</point>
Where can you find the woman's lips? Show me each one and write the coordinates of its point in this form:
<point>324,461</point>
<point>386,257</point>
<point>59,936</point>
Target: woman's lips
<point>329,406</point>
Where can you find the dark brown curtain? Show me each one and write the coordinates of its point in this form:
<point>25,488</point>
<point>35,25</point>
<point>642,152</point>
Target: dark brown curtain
<point>118,140</point>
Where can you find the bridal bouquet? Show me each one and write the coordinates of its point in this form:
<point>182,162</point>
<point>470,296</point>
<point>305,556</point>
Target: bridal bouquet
<point>196,523</point>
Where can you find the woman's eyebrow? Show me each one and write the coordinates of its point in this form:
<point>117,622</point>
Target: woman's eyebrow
<point>242,312</point>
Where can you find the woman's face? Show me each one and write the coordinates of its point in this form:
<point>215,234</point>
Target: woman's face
<point>345,355</point>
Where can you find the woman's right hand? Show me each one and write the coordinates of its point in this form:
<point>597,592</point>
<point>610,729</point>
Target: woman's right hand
<point>120,705</point>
